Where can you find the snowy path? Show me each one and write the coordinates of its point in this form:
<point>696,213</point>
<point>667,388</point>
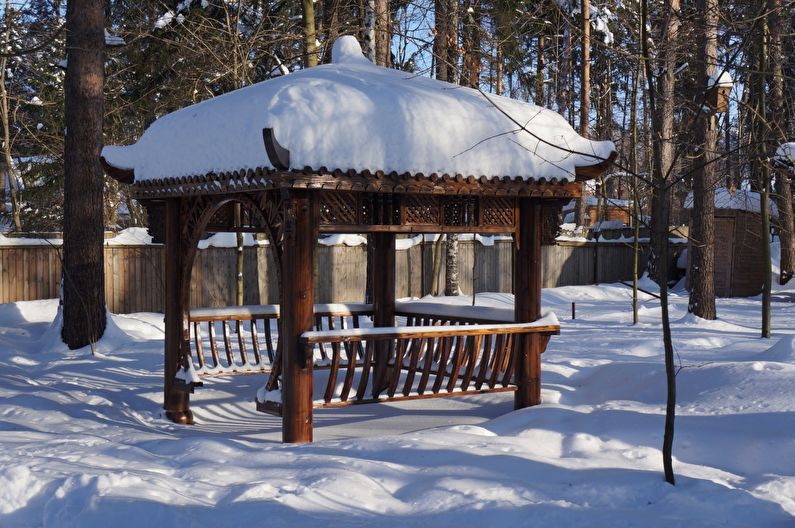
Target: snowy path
<point>83,441</point>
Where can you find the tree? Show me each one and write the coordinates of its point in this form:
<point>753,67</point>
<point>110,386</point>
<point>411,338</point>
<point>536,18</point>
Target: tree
<point>84,275</point>
<point>777,120</point>
<point>661,99</point>
<point>702,233</point>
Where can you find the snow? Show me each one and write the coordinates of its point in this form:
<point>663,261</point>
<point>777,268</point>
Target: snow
<point>351,114</point>
<point>740,199</point>
<point>132,236</point>
<point>113,40</point>
<point>786,154</point>
<point>84,442</point>
<point>720,79</point>
<point>548,319</point>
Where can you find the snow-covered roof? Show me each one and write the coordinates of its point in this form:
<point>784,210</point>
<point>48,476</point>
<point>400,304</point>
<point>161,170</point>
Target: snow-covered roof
<point>351,114</point>
<point>785,154</point>
<point>740,199</point>
<point>720,78</point>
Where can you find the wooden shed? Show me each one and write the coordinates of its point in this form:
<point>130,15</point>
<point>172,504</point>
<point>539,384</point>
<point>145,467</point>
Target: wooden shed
<point>349,147</point>
<point>738,242</point>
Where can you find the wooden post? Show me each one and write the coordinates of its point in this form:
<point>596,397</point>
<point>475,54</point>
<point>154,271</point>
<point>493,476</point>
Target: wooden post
<point>383,301</point>
<point>297,313</point>
<point>175,402</point>
<point>527,302</point>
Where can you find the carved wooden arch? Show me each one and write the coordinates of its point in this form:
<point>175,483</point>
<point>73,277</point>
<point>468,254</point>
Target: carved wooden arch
<point>197,212</point>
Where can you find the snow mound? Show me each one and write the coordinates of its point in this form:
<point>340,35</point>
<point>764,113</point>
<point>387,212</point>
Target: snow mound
<point>783,351</point>
<point>112,339</point>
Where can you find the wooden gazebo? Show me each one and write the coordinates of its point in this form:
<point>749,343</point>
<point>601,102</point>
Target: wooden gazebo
<point>349,147</point>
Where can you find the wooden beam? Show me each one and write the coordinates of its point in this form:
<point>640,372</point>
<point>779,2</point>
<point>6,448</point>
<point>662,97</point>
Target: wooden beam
<point>416,229</point>
<point>297,307</point>
<point>175,402</point>
<point>527,307</point>
<point>383,302</point>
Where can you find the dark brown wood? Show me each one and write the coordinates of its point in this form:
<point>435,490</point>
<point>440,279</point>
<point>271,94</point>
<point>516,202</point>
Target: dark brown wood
<point>300,236</point>
<point>337,180</point>
<point>472,351</point>
<point>416,229</point>
<point>383,304</point>
<point>198,339</point>
<point>255,340</point>
<point>175,402</point>
<point>213,344</point>
<point>277,154</point>
<point>527,301</point>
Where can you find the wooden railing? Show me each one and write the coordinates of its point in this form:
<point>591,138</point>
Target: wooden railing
<point>428,355</point>
<point>421,361</point>
<point>245,339</point>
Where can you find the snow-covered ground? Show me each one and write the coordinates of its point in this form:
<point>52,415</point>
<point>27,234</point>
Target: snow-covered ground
<point>83,442</point>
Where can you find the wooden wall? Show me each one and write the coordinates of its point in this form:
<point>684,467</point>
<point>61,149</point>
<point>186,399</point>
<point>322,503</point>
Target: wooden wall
<point>134,274</point>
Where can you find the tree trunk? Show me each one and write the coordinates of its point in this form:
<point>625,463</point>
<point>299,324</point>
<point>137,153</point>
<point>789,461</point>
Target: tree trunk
<point>383,33</point>
<point>8,176</point>
<point>83,270</point>
<point>702,234</point>
<point>662,150</point>
<point>451,286</point>
<point>585,84</point>
<point>440,43</point>
<point>760,166</point>
<point>310,35</point>
<point>777,121</point>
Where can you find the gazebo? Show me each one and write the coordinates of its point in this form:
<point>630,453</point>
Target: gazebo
<point>350,147</point>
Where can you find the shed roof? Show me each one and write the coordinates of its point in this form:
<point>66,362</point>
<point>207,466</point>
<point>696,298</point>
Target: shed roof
<point>353,115</point>
<point>739,200</point>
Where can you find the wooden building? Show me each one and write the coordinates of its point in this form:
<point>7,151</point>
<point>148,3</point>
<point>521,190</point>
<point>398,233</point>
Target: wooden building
<point>738,242</point>
<point>349,147</point>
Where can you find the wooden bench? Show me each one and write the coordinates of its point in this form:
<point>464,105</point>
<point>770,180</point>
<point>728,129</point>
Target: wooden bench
<point>232,339</point>
<point>434,352</point>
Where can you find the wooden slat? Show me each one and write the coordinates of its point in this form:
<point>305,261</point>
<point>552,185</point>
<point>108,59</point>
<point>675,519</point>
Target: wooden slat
<point>472,349</point>
<point>397,368</point>
<point>227,344</point>
<point>213,344</point>
<point>497,360</point>
<point>417,345</point>
<point>369,350</point>
<point>446,346</point>
<point>430,351</point>
<point>197,335</point>
<point>485,357</point>
<point>241,343</point>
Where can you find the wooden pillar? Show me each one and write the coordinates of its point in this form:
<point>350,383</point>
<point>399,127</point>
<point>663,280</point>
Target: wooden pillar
<point>175,402</point>
<point>383,302</point>
<point>297,313</point>
<point>527,301</point>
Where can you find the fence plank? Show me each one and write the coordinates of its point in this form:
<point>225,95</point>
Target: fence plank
<point>134,282</point>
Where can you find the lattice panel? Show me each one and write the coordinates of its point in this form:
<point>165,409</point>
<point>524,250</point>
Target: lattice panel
<point>498,211</point>
<point>224,217</point>
<point>380,209</point>
<point>550,216</point>
<point>460,211</point>
<point>420,209</point>
<point>338,208</point>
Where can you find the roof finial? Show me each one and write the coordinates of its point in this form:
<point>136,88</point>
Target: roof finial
<point>347,50</point>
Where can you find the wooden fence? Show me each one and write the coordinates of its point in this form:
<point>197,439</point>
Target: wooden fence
<point>134,274</point>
